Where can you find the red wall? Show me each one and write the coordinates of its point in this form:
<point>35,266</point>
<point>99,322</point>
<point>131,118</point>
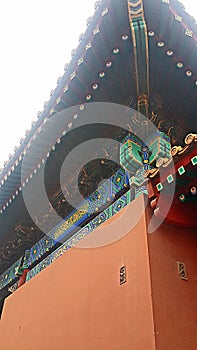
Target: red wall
<point>77,302</point>
<point>174,300</point>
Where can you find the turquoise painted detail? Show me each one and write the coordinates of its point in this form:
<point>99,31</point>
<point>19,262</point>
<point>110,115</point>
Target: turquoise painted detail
<point>85,231</point>
<point>134,154</point>
<point>102,197</point>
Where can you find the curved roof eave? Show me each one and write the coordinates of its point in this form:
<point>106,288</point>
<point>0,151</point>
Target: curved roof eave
<point>158,14</point>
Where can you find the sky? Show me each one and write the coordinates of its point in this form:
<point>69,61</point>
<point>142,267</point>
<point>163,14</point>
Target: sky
<point>37,37</point>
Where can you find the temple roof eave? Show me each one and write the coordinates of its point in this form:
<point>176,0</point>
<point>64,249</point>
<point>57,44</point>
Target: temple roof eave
<point>108,10</point>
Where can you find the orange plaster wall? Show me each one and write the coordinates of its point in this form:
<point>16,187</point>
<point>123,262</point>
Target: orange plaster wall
<point>77,302</point>
<point>174,300</point>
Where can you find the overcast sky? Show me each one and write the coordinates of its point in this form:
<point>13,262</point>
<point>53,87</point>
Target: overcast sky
<point>37,37</point>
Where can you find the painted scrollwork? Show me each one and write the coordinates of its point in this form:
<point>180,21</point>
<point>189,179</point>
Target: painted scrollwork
<point>189,139</point>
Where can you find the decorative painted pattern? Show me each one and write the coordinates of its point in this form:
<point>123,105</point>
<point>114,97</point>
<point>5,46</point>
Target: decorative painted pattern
<point>135,156</point>
<point>101,198</point>
<point>141,54</point>
<point>119,181</point>
<point>9,276</point>
<point>180,173</point>
<point>69,223</point>
<point>135,9</point>
<point>85,231</point>
<point>105,193</point>
<point>31,256</point>
<point>39,249</point>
